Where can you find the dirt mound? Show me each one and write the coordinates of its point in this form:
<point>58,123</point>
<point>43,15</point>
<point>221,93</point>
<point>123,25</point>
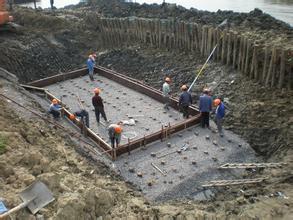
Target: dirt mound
<point>255,19</point>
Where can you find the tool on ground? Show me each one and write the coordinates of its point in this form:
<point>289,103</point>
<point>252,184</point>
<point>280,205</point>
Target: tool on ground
<point>35,197</point>
<point>134,116</point>
<point>157,168</point>
<point>209,57</point>
<point>183,148</point>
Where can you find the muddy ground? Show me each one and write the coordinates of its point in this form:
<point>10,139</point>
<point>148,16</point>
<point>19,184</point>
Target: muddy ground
<point>53,43</point>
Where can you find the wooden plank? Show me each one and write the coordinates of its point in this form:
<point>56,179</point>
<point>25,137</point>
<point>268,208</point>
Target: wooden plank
<point>251,165</point>
<point>233,182</point>
<point>282,68</point>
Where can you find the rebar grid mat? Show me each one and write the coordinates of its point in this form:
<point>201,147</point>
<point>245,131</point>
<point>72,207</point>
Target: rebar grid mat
<point>233,182</point>
<point>251,165</point>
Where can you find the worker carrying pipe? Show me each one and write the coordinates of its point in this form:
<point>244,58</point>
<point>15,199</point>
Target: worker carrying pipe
<point>55,109</point>
<point>185,100</point>
<point>115,132</point>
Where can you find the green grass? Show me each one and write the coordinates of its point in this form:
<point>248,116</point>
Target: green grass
<point>3,142</point>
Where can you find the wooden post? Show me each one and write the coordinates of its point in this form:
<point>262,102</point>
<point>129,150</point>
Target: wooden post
<point>229,48</point>
<point>255,62</point>
<point>265,64</point>
<point>235,50</point>
<point>224,47</point>
<point>282,68</point>
<point>270,71</point>
<point>245,54</point>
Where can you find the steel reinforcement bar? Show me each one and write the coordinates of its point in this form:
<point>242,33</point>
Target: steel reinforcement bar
<point>132,84</point>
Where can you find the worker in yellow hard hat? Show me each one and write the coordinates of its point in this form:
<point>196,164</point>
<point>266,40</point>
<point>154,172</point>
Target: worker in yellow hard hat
<point>55,109</point>
<point>220,113</point>
<point>115,131</point>
<point>166,92</point>
<point>98,104</point>
<point>185,100</point>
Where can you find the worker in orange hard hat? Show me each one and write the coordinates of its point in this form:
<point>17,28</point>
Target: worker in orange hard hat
<point>205,107</point>
<point>220,113</point>
<point>185,100</point>
<point>98,104</point>
<point>115,131</point>
<point>55,109</point>
<point>166,92</point>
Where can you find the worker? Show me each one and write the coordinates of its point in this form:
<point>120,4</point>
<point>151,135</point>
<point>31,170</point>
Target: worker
<point>220,113</point>
<point>83,115</point>
<point>205,107</point>
<point>90,66</point>
<point>97,102</point>
<point>114,131</point>
<point>52,4</point>
<point>185,100</point>
<point>166,93</point>
<point>55,109</point>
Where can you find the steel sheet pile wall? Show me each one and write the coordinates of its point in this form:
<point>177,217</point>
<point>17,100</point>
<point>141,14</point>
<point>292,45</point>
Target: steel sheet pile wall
<point>270,65</point>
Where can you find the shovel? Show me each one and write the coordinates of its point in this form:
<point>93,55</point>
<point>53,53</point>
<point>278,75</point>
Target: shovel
<point>35,197</point>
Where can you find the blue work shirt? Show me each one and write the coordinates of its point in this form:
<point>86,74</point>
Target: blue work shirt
<point>220,111</point>
<point>205,103</point>
<point>55,107</point>
<point>90,64</point>
<point>185,99</point>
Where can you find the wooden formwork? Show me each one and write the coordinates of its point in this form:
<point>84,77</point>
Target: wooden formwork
<point>128,82</point>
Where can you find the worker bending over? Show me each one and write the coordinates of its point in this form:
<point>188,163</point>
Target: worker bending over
<point>115,131</point>
<point>220,113</point>
<point>97,102</point>
<point>205,107</point>
<point>55,109</point>
<point>185,101</point>
<point>166,92</point>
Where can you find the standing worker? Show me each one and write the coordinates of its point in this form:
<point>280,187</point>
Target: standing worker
<point>90,65</point>
<point>114,131</point>
<point>97,102</point>
<point>205,107</point>
<point>55,109</point>
<point>220,113</point>
<point>52,4</point>
<point>166,92</point>
<point>185,101</point>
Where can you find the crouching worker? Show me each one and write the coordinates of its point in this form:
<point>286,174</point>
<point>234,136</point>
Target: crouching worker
<point>83,115</point>
<point>55,109</point>
<point>220,113</point>
<point>115,131</point>
<point>185,101</point>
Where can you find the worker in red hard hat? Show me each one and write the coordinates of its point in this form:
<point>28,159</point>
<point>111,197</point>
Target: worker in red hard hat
<point>185,101</point>
<point>220,113</point>
<point>55,109</point>
<point>98,104</point>
<point>166,92</point>
<point>115,132</point>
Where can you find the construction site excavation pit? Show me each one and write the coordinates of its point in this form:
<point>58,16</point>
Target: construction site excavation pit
<point>179,157</point>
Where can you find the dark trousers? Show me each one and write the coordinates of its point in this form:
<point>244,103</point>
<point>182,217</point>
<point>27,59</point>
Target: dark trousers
<point>101,111</point>
<point>205,119</point>
<point>56,114</point>
<point>185,111</point>
<point>113,141</point>
<point>84,116</point>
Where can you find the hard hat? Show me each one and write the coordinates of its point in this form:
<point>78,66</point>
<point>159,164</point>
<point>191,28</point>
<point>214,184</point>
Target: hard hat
<point>71,116</point>
<point>167,79</point>
<point>217,102</point>
<point>118,129</point>
<point>184,87</point>
<point>97,91</point>
<point>55,101</point>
